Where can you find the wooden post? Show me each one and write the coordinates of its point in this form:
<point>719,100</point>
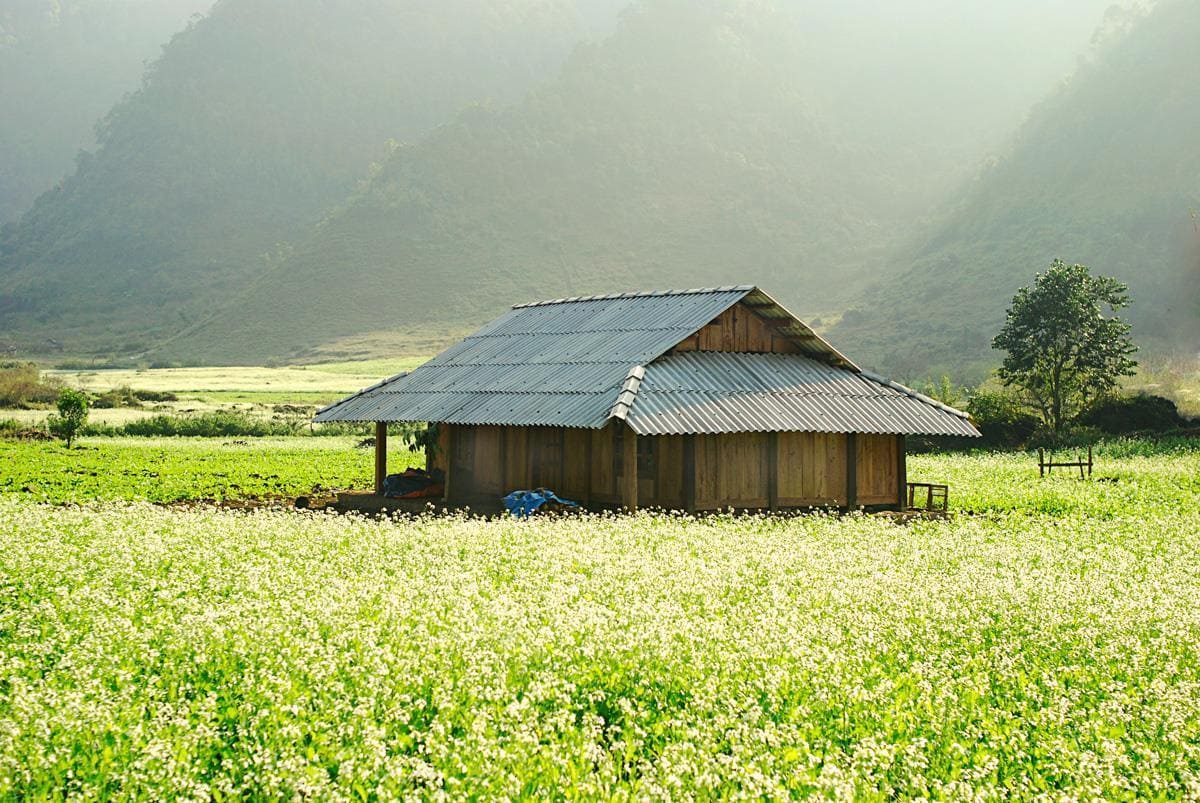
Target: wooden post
<point>851,471</point>
<point>902,471</point>
<point>773,471</point>
<point>689,473</point>
<point>1041,462</point>
<point>380,456</point>
<point>629,480</point>
<point>505,483</point>
<point>587,448</point>
<point>446,439</point>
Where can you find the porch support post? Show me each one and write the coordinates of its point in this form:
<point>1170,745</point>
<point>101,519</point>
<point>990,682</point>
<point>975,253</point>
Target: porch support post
<point>629,462</point>
<point>902,471</point>
<point>380,456</point>
<point>851,471</point>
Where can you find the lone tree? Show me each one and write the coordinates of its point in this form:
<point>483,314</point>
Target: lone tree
<point>1063,353</point>
<point>72,414</point>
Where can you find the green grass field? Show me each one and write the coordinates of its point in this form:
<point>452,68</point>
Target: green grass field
<point>1044,643</point>
<point>188,469</point>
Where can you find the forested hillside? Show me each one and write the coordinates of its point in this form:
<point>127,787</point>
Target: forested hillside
<point>232,211</point>
<point>1106,172</point>
<point>701,144</point>
<point>63,64</point>
<point>255,120</point>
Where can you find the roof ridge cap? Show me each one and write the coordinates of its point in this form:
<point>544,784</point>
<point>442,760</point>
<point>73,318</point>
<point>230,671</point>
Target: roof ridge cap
<point>732,288</point>
<point>627,394</point>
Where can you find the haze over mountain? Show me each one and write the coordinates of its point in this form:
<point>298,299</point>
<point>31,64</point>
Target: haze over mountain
<point>796,145</point>
<point>256,119</point>
<point>690,148</point>
<point>1106,173</point>
<point>63,64</point>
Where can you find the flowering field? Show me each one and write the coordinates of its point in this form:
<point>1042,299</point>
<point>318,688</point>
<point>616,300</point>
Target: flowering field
<point>1049,645</point>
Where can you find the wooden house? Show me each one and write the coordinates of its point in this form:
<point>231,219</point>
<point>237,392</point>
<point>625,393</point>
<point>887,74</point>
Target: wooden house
<point>686,400</point>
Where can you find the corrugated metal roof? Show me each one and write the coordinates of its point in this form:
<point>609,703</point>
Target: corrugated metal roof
<point>557,363</point>
<point>714,392</point>
<point>580,362</point>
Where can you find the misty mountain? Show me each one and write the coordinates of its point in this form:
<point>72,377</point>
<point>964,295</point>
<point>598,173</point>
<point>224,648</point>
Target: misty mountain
<point>255,120</point>
<point>1105,172</point>
<point>63,64</point>
<point>716,141</point>
<point>700,145</point>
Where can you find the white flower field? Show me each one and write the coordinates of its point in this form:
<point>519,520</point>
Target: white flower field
<point>1046,645</point>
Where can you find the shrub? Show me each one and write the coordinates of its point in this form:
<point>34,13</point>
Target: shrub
<point>1142,412</point>
<point>21,385</point>
<point>155,396</point>
<point>218,424</point>
<point>72,414</point>
<point>1001,418</point>
<point>117,397</point>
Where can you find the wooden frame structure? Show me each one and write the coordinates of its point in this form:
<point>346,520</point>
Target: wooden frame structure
<point>696,400</point>
<point>614,468</point>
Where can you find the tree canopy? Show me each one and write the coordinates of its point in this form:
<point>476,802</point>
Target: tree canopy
<point>1061,350</point>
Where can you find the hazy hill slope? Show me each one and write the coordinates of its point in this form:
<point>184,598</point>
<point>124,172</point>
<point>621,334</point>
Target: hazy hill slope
<point>256,119</point>
<point>63,64</point>
<point>710,142</point>
<point>679,152</point>
<point>1106,172</point>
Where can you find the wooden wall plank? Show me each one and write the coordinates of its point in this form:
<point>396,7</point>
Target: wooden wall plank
<point>852,471</point>
<point>446,439</point>
<point>516,459</point>
<point>878,483</point>
<point>708,460</point>
<point>773,470</point>
<point>546,457</point>
<point>738,329</point>
<point>812,469</point>
<point>629,466</point>
<point>486,464</point>
<point>576,443</point>
<point>604,484</point>
<point>689,473</point>
<point>664,488</point>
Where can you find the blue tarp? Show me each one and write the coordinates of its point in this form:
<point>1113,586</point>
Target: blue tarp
<point>525,503</point>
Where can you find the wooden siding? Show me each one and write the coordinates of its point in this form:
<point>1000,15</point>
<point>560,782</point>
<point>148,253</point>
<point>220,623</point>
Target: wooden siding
<point>812,469</point>
<point>878,476</point>
<point>731,471</point>
<point>744,471</point>
<point>738,329</point>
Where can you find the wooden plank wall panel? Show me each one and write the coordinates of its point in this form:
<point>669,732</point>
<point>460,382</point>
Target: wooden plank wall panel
<point>604,482</point>
<point>738,329</point>
<point>546,458</point>
<point>743,469</point>
<point>669,486</point>
<point>812,469</point>
<point>516,459</point>
<point>731,471</point>
<point>878,462</point>
<point>438,456</point>
<point>487,466</point>
<point>647,476</point>
<point>462,462</point>
<point>575,467</point>
<point>708,462</point>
